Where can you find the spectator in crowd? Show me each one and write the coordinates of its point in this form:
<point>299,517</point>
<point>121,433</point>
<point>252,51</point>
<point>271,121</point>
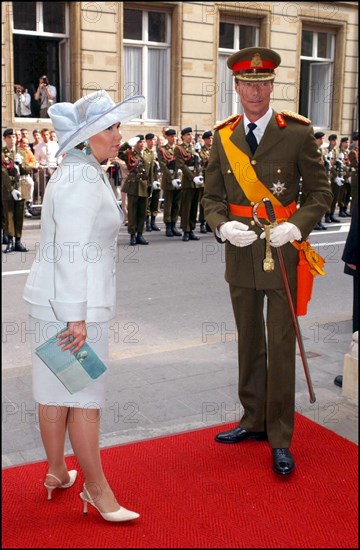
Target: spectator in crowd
<point>37,139</point>
<point>46,95</point>
<point>53,136</point>
<point>18,135</point>
<point>45,154</point>
<point>27,181</point>
<point>22,102</point>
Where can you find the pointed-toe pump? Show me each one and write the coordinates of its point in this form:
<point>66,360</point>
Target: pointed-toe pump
<point>122,514</point>
<point>50,488</point>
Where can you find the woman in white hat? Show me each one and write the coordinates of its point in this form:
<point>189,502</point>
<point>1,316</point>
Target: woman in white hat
<point>71,285</point>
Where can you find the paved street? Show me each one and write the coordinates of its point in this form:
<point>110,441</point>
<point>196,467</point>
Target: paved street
<point>173,343</point>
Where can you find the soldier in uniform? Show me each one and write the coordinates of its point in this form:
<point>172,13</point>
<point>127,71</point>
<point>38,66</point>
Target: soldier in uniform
<point>136,187</point>
<point>204,152</point>
<point>190,184</point>
<point>13,165</point>
<point>263,154</point>
<point>354,170</point>
<point>153,173</point>
<point>345,175</point>
<point>332,153</point>
<point>319,137</point>
<point>170,184</point>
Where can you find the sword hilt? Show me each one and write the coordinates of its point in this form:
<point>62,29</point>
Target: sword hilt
<point>269,210</point>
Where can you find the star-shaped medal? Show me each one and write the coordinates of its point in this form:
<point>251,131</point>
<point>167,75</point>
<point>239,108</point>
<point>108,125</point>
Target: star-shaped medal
<point>278,188</point>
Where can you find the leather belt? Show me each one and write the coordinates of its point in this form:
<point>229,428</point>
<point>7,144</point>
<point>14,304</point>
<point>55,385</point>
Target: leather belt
<point>281,212</point>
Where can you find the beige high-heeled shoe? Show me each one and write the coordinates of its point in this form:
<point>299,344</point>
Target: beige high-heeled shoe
<point>50,488</point>
<point>122,514</point>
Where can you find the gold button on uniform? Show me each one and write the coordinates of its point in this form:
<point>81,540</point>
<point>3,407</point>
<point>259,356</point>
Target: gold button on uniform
<point>253,162</point>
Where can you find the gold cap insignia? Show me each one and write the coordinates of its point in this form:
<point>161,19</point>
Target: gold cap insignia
<point>256,61</point>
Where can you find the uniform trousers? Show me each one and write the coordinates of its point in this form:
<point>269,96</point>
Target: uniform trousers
<point>189,208</point>
<point>136,214</point>
<point>335,189</point>
<point>13,217</point>
<point>266,359</point>
<point>201,208</point>
<point>172,200</point>
<point>153,203</point>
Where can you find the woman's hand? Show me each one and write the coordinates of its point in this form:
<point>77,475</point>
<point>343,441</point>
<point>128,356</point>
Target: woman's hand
<point>74,336</point>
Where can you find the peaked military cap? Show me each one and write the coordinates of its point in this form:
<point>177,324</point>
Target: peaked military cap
<point>251,64</point>
<point>187,130</point>
<point>344,139</point>
<point>319,135</point>
<point>8,132</point>
<point>207,134</point>
<point>170,132</point>
<point>332,137</point>
<point>150,136</point>
<point>141,137</point>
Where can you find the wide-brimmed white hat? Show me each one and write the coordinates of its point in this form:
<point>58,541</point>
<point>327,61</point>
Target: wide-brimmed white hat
<point>93,113</point>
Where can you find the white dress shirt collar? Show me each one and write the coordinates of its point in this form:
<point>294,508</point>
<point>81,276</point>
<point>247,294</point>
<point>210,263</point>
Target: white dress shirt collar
<point>260,124</point>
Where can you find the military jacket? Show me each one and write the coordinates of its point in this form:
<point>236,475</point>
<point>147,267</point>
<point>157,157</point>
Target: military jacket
<point>149,157</point>
<point>168,167</point>
<point>286,153</point>
<point>137,181</point>
<point>185,160</point>
<point>14,170</point>
<point>205,155</point>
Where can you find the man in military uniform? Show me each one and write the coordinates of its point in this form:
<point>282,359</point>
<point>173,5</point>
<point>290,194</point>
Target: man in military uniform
<point>345,174</point>
<point>263,154</point>
<point>204,152</point>
<point>354,170</point>
<point>153,174</point>
<point>13,165</point>
<point>190,184</point>
<point>136,187</point>
<point>319,137</point>
<point>170,183</point>
<point>332,152</point>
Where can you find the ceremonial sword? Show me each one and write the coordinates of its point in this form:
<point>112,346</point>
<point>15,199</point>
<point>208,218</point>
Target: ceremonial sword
<point>272,218</point>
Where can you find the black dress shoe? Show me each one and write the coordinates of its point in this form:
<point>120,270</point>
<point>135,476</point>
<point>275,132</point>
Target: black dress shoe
<point>203,228</point>
<point>327,218</point>
<point>133,239</point>
<point>283,462</point>
<point>186,236</point>
<point>238,434</point>
<point>19,247</point>
<point>5,239</point>
<point>317,227</point>
<point>193,237</point>
<point>140,239</point>
<point>10,246</point>
<point>338,380</point>
<point>333,219</point>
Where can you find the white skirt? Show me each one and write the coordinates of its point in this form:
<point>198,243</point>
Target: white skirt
<point>47,389</point>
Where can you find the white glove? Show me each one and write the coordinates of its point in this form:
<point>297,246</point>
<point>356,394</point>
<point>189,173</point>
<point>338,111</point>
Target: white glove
<point>283,233</point>
<point>156,185</point>
<point>16,195</point>
<point>328,157</point>
<point>17,158</point>
<point>339,181</point>
<point>176,183</point>
<point>341,156</point>
<point>197,146</point>
<point>237,233</point>
<point>198,180</point>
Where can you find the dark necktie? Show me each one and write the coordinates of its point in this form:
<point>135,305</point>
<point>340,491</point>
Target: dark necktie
<point>250,138</point>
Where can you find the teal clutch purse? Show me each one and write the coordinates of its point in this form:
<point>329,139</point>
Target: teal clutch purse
<point>75,371</point>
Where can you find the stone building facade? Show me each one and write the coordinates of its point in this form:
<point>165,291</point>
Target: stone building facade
<point>174,53</point>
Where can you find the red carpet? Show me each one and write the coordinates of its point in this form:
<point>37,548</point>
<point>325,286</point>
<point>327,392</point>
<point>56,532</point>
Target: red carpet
<point>192,492</point>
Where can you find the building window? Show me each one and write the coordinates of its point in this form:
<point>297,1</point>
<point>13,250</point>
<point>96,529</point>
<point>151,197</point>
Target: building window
<point>231,39</point>
<point>317,76</point>
<point>41,47</point>
<point>147,60</point>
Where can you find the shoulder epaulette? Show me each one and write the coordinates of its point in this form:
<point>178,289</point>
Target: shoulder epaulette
<point>296,116</point>
<point>228,120</point>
